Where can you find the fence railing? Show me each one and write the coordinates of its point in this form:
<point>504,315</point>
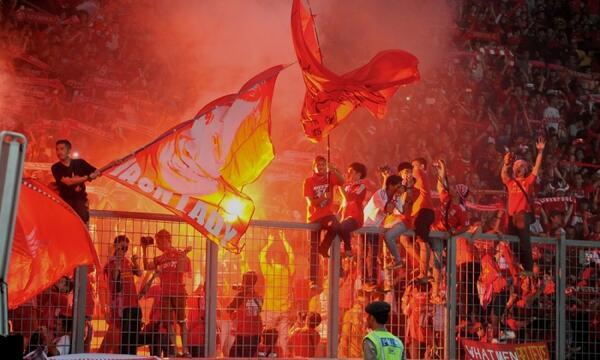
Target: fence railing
<point>219,304</point>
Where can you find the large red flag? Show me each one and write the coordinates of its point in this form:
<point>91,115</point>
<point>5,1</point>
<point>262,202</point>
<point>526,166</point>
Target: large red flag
<point>198,168</point>
<point>50,241</point>
<point>330,98</point>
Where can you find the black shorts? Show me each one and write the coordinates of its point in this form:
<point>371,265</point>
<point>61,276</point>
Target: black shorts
<point>81,207</point>
<point>423,222</point>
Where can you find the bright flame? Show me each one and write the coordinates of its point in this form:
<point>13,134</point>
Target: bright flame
<point>234,209</point>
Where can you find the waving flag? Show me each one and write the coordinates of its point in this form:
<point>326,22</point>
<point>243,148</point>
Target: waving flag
<point>330,98</point>
<point>197,169</point>
<point>50,241</point>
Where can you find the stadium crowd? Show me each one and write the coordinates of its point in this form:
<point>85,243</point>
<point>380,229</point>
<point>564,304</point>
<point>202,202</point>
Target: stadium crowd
<point>521,70</point>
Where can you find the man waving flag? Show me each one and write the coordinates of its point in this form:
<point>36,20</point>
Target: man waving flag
<point>330,98</point>
<point>198,168</point>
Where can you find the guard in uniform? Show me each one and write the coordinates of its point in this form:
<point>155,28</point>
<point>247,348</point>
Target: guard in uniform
<point>381,344</point>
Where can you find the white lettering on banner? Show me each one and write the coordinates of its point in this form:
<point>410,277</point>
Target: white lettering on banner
<point>119,169</point>
<point>214,224</point>
<point>162,195</point>
<point>183,200</point>
<point>212,221</point>
<point>146,185</point>
<point>131,174</point>
<point>198,213</point>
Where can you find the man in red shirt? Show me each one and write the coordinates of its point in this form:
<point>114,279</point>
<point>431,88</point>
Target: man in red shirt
<point>124,297</point>
<point>172,265</point>
<point>520,200</point>
<point>318,192</point>
<point>354,192</point>
<point>245,309</point>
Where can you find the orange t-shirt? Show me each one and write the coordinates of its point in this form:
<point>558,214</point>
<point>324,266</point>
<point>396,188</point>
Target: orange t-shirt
<point>423,200</point>
<point>517,201</point>
<point>315,187</point>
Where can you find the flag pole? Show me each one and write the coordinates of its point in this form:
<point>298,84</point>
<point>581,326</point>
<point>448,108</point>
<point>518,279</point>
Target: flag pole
<point>174,129</point>
<point>323,62</point>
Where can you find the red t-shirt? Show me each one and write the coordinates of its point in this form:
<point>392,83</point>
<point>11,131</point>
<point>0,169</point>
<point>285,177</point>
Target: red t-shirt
<point>517,201</point>
<point>246,318</point>
<point>304,342</point>
<point>171,280</point>
<point>316,186</point>
<point>423,200</point>
<point>355,198</point>
<point>457,215</point>
<point>122,288</point>
<point>51,304</point>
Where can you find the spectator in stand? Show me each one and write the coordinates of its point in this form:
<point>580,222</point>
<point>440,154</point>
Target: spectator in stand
<point>304,341</point>
<point>120,272</point>
<point>197,306</point>
<point>172,265</point>
<point>278,266</point>
<point>415,308</point>
<point>354,193</point>
<point>54,302</point>
<point>318,192</point>
<point>520,201</point>
<point>70,176</point>
<point>384,210</point>
<point>353,325</point>
<point>245,309</point>
<point>423,217</point>
<point>268,347</point>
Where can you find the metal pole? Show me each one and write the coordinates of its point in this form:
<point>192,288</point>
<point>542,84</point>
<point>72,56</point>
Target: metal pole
<point>12,156</point>
<point>79,304</point>
<point>451,300</point>
<point>333,311</point>
<point>210,291</point>
<point>561,326</point>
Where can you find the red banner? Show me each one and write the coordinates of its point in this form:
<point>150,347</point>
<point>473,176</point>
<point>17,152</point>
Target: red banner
<point>475,350</point>
<point>331,98</point>
<point>198,168</point>
<point>50,241</point>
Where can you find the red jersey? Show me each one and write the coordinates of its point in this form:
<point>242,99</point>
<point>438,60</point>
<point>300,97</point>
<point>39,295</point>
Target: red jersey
<point>51,304</point>
<point>304,342</point>
<point>315,187</point>
<point>171,280</point>
<point>246,317</point>
<point>122,287</point>
<point>491,275</point>
<point>456,214</point>
<point>423,200</point>
<point>355,198</point>
<point>517,201</point>
<point>196,305</point>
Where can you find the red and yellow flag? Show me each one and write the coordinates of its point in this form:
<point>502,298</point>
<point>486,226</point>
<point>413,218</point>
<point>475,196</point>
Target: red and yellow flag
<point>198,168</point>
<point>330,98</point>
<point>50,241</point>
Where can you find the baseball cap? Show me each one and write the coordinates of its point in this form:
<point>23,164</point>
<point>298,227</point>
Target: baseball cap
<point>378,307</point>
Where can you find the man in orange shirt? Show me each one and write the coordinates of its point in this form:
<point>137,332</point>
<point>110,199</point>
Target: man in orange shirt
<point>424,216</point>
<point>520,199</point>
<point>318,192</point>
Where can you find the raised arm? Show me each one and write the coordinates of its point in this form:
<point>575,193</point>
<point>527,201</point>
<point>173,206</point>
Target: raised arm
<point>504,175</point>
<point>540,145</point>
<point>149,264</point>
<point>262,256</point>
<point>289,251</point>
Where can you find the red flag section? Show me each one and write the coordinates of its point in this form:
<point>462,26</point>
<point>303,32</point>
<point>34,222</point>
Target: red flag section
<point>475,350</point>
<point>330,98</point>
<point>196,169</point>
<point>50,241</point>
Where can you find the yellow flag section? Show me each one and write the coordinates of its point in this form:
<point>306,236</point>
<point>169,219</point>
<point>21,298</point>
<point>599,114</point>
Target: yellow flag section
<point>198,168</point>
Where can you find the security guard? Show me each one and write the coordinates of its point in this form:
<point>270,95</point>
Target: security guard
<point>381,344</point>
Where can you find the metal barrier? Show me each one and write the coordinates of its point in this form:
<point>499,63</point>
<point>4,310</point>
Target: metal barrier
<point>261,302</point>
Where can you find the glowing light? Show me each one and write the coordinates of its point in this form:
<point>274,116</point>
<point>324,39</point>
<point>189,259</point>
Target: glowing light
<point>408,98</point>
<point>234,209</point>
<point>75,155</point>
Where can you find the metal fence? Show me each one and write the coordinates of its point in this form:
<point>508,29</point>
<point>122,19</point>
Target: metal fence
<point>197,298</point>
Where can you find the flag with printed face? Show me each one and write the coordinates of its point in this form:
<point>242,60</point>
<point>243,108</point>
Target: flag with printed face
<point>330,98</point>
<point>198,168</point>
<point>50,241</point>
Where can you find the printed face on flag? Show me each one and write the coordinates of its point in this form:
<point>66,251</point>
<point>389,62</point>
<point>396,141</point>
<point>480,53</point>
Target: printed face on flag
<point>197,169</point>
